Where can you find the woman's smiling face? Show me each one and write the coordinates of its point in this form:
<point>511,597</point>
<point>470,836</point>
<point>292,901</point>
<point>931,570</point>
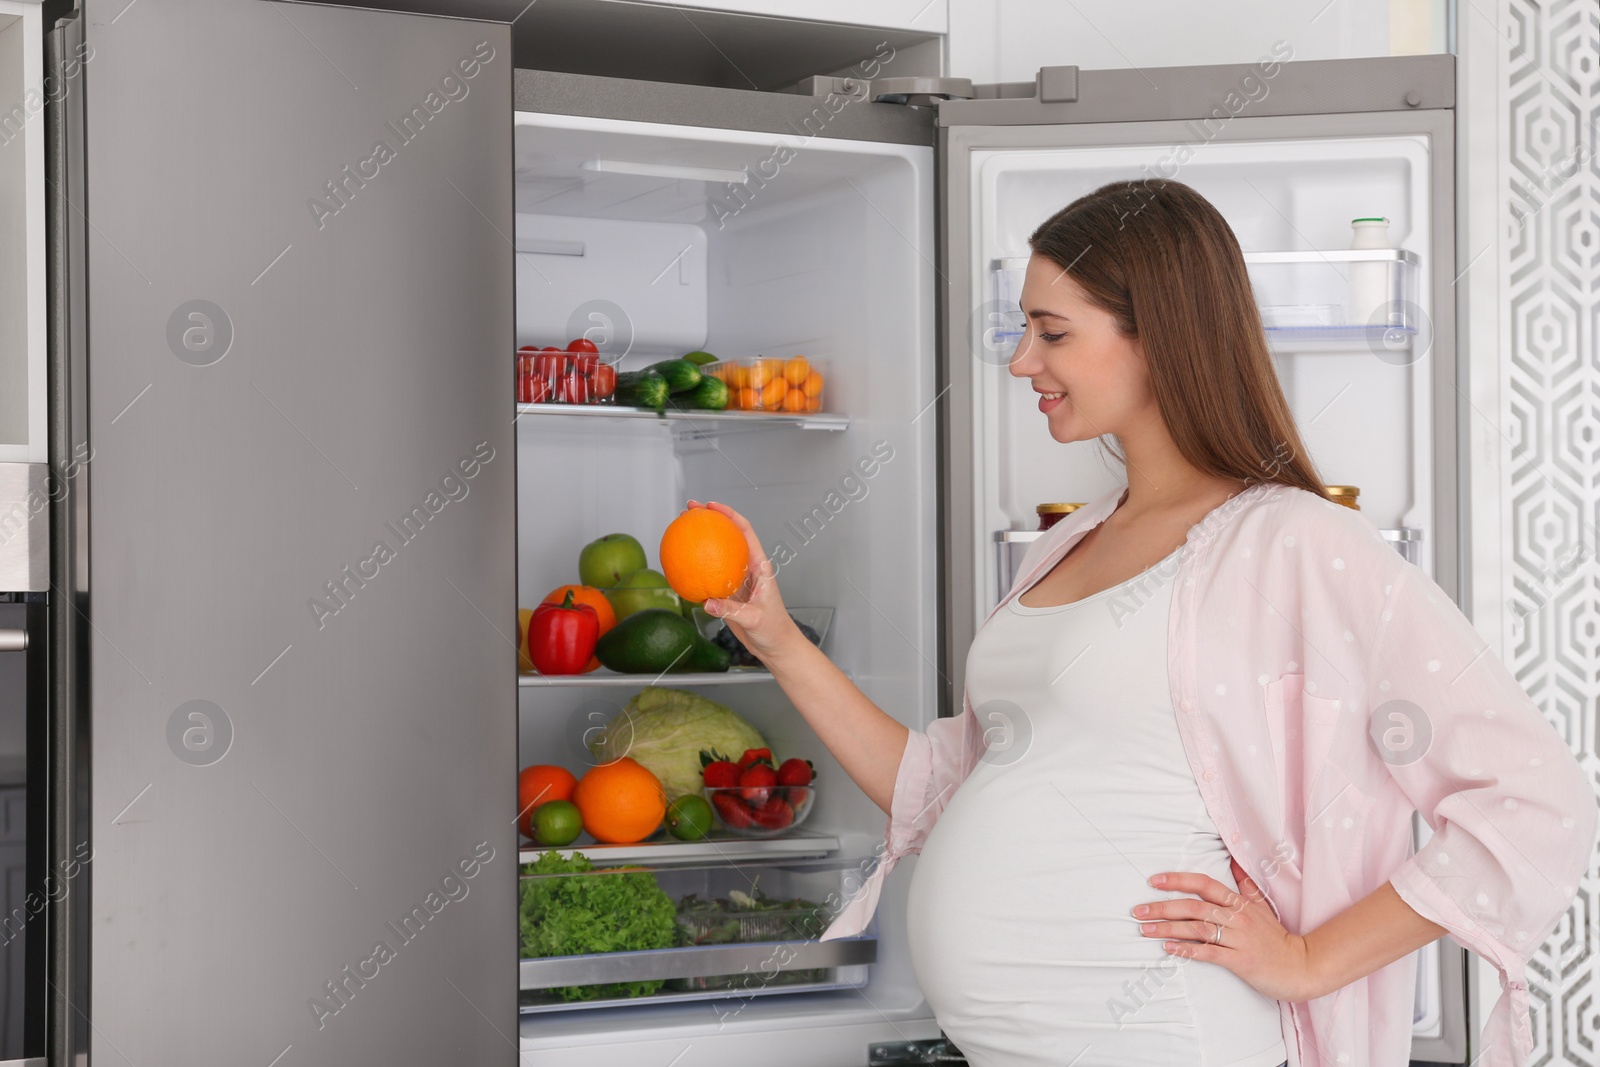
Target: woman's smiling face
<point>1071,346</point>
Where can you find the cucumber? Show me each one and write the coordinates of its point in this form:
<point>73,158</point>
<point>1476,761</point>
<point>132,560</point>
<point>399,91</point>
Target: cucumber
<point>681,375</point>
<point>700,359</point>
<point>710,395</point>
<point>642,388</point>
<point>704,656</point>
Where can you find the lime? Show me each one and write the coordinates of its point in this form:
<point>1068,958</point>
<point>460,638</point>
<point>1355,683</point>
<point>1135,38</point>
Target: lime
<point>689,817</point>
<point>557,822</point>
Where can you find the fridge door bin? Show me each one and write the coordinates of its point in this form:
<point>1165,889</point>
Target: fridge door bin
<point>1010,545</point>
<point>1353,297</point>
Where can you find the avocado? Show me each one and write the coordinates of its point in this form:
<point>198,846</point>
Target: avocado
<point>648,642</point>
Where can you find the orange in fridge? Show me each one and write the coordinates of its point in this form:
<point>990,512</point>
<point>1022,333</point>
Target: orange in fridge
<point>581,594</point>
<point>524,661</point>
<point>536,785</point>
<point>772,393</point>
<point>703,554</point>
<point>794,400</point>
<point>749,399</point>
<point>756,375</point>
<point>814,403</point>
<point>621,802</point>
<point>796,369</point>
<point>813,384</point>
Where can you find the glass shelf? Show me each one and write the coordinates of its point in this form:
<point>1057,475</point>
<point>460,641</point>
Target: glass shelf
<point>663,850</point>
<point>604,677</point>
<point>703,422</point>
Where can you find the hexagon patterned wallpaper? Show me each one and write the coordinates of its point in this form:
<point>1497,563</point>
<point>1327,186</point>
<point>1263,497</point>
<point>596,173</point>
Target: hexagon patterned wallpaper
<point>1551,261</point>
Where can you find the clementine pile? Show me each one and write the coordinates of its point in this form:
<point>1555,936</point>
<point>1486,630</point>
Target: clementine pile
<point>703,554</point>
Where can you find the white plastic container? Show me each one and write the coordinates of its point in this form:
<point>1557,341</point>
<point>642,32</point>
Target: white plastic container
<point>1369,282</point>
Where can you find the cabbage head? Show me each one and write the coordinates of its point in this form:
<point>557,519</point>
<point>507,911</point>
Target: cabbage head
<point>665,729</point>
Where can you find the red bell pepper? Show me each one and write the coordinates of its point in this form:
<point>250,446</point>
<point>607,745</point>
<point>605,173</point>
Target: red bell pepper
<point>561,636</point>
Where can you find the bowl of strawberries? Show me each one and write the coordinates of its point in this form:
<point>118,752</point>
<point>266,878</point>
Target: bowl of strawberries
<point>755,797</point>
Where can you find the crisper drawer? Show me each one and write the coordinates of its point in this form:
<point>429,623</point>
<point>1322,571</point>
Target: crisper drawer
<point>657,934</point>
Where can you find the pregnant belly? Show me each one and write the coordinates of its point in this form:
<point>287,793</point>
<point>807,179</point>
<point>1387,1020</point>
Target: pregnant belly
<point>1023,941</point>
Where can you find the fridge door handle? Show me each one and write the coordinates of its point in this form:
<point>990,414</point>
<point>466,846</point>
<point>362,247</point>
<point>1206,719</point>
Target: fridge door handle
<point>13,641</point>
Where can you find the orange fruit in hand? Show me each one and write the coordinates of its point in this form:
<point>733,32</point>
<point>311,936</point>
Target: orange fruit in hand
<point>703,554</point>
<point>537,784</point>
<point>621,802</point>
<point>581,594</point>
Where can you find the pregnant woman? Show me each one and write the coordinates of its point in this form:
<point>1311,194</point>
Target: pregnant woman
<point>1172,823</point>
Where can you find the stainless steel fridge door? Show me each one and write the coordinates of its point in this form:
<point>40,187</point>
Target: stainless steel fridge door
<point>1168,107</point>
<point>301,549</point>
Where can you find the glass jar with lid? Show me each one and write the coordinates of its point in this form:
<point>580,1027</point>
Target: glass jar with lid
<point>1050,514</point>
<point>1343,494</point>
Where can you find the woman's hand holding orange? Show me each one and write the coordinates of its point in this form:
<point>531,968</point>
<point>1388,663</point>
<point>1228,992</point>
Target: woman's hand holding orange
<point>755,611</point>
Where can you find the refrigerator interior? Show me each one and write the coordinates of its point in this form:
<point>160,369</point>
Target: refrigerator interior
<point>630,233</point>
<point>1278,196</point>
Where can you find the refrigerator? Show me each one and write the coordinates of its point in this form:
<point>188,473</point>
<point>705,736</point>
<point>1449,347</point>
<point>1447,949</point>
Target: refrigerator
<point>292,251</point>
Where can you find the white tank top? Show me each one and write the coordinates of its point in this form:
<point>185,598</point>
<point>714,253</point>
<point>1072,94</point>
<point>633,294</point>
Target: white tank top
<point>1021,933</point>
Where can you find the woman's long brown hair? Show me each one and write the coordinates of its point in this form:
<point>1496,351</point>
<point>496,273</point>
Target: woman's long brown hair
<point>1164,262</point>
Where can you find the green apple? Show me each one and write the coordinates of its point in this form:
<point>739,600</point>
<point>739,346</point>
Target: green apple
<point>608,560</point>
<point>642,589</point>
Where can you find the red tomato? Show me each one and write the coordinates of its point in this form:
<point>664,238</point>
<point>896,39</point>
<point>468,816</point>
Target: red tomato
<point>550,365</point>
<point>586,362</point>
<point>604,381</point>
<point>538,391</point>
<point>573,388</point>
<point>582,344</point>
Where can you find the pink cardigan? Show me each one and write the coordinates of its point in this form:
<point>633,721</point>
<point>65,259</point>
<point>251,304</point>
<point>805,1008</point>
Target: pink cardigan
<point>1324,689</point>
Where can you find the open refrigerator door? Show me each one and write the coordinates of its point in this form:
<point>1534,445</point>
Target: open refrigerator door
<point>757,233</point>
<point>1302,160</point>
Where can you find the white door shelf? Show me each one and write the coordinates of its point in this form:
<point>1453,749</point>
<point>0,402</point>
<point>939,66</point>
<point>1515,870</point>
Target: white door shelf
<point>1375,339</point>
<point>604,677</point>
<point>703,422</point>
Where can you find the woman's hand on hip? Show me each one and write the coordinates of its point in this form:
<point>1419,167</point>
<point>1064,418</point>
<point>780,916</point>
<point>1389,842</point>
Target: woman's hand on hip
<point>755,612</point>
<point>1253,944</point>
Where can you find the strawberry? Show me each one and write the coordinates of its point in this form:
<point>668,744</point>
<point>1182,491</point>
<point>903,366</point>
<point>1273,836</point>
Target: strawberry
<point>796,771</point>
<point>755,755</point>
<point>756,782</point>
<point>721,774</point>
<point>731,808</point>
<point>775,814</point>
